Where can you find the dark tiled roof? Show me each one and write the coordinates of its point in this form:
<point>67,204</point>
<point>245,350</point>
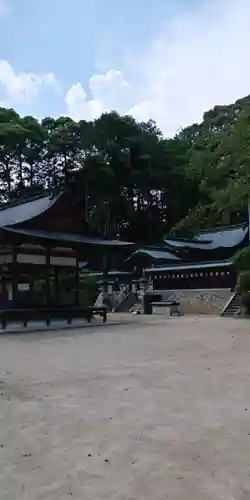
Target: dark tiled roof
<point>223,237</point>
<point>25,210</point>
<point>68,238</point>
<point>189,266</point>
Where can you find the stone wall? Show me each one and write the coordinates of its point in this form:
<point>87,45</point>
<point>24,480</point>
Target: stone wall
<point>198,301</point>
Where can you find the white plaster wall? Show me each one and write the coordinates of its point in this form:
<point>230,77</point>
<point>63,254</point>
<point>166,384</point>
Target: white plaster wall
<point>5,258</point>
<point>63,261</point>
<point>31,258</point>
<point>209,301</point>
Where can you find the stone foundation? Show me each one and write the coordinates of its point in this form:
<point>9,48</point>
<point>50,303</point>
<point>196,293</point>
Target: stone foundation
<point>198,301</point>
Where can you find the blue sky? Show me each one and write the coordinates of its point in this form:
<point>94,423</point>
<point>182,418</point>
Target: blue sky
<point>168,60</point>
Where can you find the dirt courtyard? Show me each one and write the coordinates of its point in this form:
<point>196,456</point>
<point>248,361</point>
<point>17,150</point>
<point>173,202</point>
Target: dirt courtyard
<point>156,409</point>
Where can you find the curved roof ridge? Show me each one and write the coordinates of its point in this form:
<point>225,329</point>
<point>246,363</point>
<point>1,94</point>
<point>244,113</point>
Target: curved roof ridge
<point>218,229</point>
<point>184,240</point>
<point>11,215</point>
<point>211,240</point>
<point>26,199</point>
<point>155,254</point>
<point>66,237</point>
<point>240,225</point>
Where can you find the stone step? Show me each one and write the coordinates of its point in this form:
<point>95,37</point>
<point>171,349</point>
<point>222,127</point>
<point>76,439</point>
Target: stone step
<point>127,303</point>
<point>234,307</point>
<point>233,312</point>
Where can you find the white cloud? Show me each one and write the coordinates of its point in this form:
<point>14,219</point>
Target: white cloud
<point>78,105</point>
<point>195,62</point>
<point>110,91</point>
<point>21,87</point>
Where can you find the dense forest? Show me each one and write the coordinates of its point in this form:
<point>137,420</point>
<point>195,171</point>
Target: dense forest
<point>153,185</point>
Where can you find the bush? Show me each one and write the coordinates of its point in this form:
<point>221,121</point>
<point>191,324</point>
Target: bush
<point>89,290</point>
<point>245,297</point>
<point>241,259</point>
<point>243,288</point>
<point>243,282</point>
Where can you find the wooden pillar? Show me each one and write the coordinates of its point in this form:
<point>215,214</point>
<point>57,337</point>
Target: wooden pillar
<point>47,288</point>
<point>32,283</point>
<point>105,275</point>
<point>4,293</point>
<point>249,220</point>
<point>105,256</point>
<point>77,282</point>
<point>56,287</point>
<point>14,274</point>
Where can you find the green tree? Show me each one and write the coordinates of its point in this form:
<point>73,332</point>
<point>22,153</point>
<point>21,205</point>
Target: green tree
<point>199,178</point>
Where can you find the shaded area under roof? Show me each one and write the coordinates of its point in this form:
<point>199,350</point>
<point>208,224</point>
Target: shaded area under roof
<point>196,265</point>
<point>155,254</point>
<point>26,210</point>
<point>69,238</point>
<point>113,273</point>
<point>223,237</point>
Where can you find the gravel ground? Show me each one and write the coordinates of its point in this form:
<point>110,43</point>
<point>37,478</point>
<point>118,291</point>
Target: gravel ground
<point>148,409</point>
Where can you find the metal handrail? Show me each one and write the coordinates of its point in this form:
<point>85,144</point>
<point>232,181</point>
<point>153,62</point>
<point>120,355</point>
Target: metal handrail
<point>122,295</point>
<point>230,300</point>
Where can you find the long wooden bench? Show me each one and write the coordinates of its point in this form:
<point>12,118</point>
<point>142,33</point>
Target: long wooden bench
<point>47,314</point>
